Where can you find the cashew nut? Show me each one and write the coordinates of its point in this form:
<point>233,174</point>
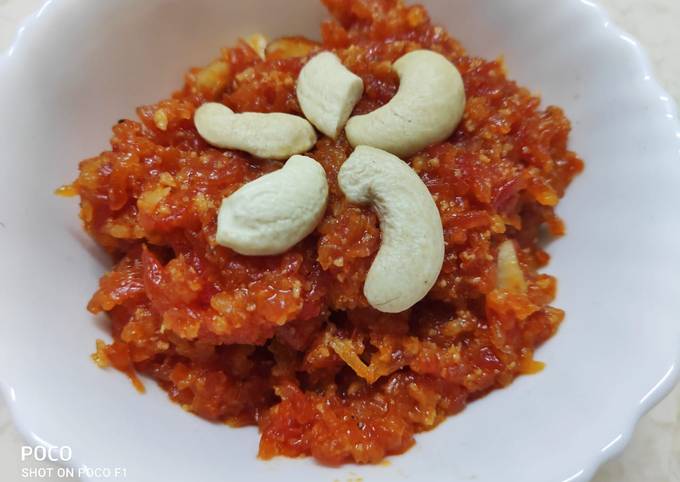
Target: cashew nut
<point>276,211</point>
<point>258,43</point>
<point>412,248</point>
<point>327,92</point>
<point>425,110</point>
<point>509,274</point>
<point>290,47</point>
<point>272,136</point>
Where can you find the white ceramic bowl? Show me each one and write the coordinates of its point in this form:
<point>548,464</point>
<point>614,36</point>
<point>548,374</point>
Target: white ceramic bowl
<point>79,65</point>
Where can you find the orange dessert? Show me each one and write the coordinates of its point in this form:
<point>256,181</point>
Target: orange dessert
<point>289,342</point>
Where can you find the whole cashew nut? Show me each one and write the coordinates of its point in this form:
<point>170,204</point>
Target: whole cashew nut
<point>411,253</point>
<point>426,109</point>
<point>327,92</point>
<point>272,136</point>
<point>276,211</point>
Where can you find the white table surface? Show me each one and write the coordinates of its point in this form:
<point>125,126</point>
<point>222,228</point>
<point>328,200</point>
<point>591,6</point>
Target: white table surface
<point>654,453</point>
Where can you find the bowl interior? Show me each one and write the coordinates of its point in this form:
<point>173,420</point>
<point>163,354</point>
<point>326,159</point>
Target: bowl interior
<point>79,66</point>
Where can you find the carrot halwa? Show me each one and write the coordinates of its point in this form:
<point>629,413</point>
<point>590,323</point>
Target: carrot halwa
<point>289,342</point>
